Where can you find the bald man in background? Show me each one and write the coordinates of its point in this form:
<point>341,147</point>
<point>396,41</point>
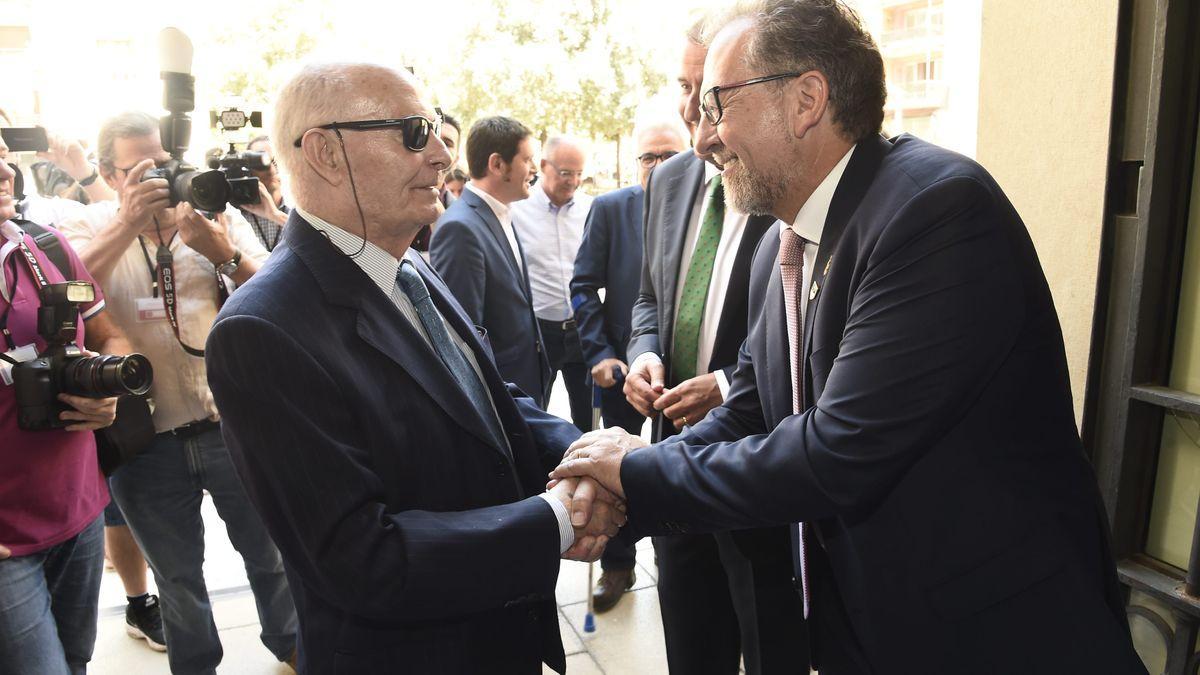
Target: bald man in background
<point>550,223</point>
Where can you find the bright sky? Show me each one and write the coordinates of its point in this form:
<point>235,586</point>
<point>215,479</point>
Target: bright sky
<point>88,60</point>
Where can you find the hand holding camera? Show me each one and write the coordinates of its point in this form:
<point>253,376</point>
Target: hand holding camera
<point>142,199</point>
<point>68,156</point>
<point>90,413</point>
<point>208,237</point>
<point>265,206</point>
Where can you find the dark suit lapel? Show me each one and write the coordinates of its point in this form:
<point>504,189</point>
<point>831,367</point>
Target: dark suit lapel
<point>493,224</point>
<point>380,324</point>
<point>856,180</point>
<point>681,196</point>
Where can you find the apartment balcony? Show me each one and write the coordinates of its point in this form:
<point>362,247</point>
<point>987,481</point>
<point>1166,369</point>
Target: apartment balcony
<point>921,94</point>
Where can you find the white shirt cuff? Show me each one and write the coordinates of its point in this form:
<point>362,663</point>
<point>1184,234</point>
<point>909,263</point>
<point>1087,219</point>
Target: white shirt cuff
<point>644,357</point>
<point>722,383</point>
<point>566,533</point>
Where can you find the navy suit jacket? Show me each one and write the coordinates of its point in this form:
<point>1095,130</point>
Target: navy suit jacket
<point>469,250</point>
<point>610,257</point>
<point>938,460</point>
<point>670,195</point>
<point>412,542</point>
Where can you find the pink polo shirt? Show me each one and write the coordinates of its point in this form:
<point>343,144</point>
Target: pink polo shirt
<point>50,481</point>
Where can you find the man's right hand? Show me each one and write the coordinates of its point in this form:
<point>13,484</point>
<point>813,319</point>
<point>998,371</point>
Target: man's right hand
<point>602,372</point>
<point>644,384</point>
<point>265,207</point>
<point>596,515</point>
<point>141,202</point>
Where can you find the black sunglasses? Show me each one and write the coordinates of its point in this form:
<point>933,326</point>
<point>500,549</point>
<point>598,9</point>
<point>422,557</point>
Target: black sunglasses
<point>415,129</point>
<point>710,102</point>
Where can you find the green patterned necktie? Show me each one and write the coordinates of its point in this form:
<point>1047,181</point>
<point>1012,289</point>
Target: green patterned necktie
<point>695,286</point>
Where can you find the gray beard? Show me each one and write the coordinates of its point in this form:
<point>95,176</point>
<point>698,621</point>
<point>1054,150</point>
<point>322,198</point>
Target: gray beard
<point>753,195</point>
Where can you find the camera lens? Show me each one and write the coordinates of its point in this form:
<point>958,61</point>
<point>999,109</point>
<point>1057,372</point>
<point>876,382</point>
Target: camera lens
<point>207,190</point>
<point>104,376</point>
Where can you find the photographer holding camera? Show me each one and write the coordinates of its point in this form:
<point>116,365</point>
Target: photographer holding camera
<point>51,490</point>
<point>269,214</point>
<point>165,269</point>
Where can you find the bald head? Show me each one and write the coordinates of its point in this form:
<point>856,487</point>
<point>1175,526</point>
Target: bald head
<point>358,179</point>
<point>331,92</point>
<point>563,161</point>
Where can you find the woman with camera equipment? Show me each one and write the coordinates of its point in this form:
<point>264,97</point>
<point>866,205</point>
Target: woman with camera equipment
<point>53,395</point>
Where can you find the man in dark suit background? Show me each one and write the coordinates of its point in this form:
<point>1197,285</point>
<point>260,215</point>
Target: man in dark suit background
<point>477,251</point>
<point>717,592</point>
<point>373,433</point>
<point>903,397</point>
<point>610,258</point>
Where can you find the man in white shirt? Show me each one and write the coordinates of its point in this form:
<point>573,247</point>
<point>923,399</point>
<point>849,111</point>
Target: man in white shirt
<point>151,257</point>
<point>479,253</point>
<point>551,224</point>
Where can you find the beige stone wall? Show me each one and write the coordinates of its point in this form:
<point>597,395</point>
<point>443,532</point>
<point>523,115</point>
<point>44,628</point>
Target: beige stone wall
<point>1045,101</point>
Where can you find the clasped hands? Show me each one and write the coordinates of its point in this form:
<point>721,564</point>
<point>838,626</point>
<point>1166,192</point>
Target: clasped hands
<point>684,404</point>
<point>588,481</point>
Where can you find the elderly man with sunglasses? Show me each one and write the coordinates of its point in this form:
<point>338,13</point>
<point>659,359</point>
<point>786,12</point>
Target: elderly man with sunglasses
<point>126,245</point>
<point>403,480</point>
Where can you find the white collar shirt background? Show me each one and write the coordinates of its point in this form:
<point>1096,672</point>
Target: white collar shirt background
<point>551,236</point>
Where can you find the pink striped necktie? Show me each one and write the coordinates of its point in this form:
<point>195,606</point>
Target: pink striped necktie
<point>791,272</point>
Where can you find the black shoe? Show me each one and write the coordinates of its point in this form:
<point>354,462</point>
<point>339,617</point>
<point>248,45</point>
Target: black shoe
<point>143,620</point>
<point>608,591</point>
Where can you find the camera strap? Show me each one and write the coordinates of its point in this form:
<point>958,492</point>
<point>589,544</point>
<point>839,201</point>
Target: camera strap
<point>166,280</point>
<point>45,240</point>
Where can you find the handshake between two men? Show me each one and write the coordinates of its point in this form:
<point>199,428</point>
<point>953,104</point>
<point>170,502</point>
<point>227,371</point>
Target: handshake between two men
<point>588,481</point>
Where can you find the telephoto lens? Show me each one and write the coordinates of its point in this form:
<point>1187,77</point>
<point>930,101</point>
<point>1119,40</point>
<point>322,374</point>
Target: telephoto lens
<point>105,376</point>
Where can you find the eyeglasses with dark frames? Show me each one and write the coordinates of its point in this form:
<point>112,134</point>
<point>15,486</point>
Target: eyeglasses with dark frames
<point>650,159</point>
<point>710,102</point>
<point>415,129</point>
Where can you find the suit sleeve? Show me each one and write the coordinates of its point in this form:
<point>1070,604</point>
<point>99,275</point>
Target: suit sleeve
<point>643,335</point>
<point>457,255</point>
<point>936,313</point>
<point>324,505</point>
<point>591,268</point>
<point>551,433</point>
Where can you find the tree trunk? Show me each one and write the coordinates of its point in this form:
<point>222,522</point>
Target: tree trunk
<point>618,139</point>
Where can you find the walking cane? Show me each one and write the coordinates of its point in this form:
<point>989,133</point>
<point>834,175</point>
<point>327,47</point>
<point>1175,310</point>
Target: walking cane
<point>589,619</point>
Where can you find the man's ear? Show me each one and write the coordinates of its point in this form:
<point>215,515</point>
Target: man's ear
<point>323,155</point>
<point>806,102</point>
<point>496,164</point>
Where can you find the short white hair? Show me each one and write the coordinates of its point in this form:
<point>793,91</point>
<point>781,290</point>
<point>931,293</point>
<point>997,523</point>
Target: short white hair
<point>666,125</point>
<point>316,95</point>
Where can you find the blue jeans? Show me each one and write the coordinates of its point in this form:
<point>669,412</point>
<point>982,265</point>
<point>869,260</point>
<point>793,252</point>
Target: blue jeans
<point>159,493</point>
<point>48,604</point>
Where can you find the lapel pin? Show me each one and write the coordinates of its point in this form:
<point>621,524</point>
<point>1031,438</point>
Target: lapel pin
<point>828,261</point>
<point>812,293</point>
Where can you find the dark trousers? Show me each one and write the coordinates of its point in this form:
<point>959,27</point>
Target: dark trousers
<point>717,608</point>
<point>619,555</point>
<point>565,353</point>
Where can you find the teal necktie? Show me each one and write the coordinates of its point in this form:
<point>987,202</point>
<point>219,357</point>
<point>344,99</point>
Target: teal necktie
<point>695,286</point>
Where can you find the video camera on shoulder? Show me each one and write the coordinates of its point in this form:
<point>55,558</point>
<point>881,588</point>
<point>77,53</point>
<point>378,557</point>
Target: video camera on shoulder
<point>228,180</point>
<point>62,368</point>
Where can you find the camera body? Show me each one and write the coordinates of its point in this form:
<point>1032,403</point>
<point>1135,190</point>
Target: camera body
<point>229,180</point>
<point>62,367</point>
<point>238,169</point>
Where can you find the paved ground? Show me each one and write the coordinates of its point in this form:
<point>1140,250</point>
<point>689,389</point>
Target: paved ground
<point>628,639</point>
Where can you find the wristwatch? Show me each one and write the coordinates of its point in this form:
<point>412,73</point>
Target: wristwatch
<point>230,266</point>
<point>90,179</point>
